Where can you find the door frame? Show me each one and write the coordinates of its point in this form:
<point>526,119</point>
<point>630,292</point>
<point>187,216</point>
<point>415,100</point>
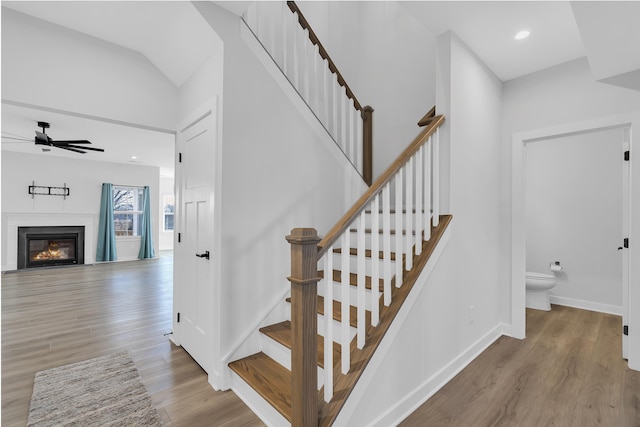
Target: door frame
<point>518,254</point>
<point>212,106</point>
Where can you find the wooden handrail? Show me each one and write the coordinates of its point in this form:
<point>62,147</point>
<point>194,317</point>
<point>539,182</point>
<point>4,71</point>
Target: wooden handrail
<point>323,52</point>
<point>342,225</point>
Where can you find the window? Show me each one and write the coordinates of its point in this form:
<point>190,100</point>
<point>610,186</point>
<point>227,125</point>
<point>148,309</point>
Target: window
<point>168,209</point>
<point>127,210</point>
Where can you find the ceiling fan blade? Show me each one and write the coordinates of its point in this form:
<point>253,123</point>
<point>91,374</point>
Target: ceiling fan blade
<point>79,141</point>
<point>55,144</point>
<point>64,147</point>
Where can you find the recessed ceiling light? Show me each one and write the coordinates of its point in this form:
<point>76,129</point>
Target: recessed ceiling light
<point>133,157</point>
<point>522,35</point>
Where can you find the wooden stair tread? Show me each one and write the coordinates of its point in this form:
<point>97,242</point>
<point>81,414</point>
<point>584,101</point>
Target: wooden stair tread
<point>267,377</point>
<point>353,279</point>
<point>367,253</point>
<point>281,332</point>
<point>337,312</point>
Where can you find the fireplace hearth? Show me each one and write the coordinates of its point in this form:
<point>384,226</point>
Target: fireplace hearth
<point>50,246</point>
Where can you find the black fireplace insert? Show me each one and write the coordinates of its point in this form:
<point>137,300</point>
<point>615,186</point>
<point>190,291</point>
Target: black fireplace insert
<point>50,246</point>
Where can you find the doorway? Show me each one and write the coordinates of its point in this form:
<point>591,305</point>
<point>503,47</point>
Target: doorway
<point>574,217</point>
<point>518,225</point>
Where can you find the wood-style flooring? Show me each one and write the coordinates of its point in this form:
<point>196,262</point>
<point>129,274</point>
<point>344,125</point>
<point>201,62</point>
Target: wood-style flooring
<point>53,317</point>
<point>568,372</point>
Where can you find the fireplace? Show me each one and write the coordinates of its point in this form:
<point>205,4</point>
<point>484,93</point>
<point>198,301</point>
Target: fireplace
<point>50,246</point>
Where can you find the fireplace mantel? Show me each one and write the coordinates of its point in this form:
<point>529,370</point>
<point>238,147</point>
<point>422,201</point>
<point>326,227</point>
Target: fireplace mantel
<point>31,219</point>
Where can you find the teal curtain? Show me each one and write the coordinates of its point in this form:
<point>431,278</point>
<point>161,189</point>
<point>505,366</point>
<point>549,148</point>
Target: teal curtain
<point>146,238</point>
<point>106,234</point>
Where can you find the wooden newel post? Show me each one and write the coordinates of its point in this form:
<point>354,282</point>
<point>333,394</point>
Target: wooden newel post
<point>304,350</point>
<point>367,145</point>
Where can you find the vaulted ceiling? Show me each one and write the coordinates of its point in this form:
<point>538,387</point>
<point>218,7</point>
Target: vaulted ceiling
<point>606,32</point>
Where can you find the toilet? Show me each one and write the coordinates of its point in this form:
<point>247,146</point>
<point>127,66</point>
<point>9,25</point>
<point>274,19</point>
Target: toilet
<point>537,291</point>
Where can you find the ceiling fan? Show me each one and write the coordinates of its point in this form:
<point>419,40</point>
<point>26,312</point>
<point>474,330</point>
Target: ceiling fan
<point>78,146</point>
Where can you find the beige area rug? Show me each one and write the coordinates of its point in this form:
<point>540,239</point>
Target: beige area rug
<point>105,391</point>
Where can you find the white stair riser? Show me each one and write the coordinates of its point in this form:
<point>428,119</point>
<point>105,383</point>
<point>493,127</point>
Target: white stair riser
<point>353,294</point>
<point>368,220</point>
<point>367,240</point>
<point>370,264</point>
<point>282,355</point>
<point>336,328</point>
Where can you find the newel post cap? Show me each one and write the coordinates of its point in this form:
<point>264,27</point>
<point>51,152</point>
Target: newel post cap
<point>303,236</point>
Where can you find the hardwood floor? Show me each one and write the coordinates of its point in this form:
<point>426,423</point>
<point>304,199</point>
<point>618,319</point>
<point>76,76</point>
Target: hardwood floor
<point>53,317</point>
<point>569,371</point>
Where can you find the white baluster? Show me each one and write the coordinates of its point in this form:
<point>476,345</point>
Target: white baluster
<point>312,66</point>
<point>335,108</point>
<point>386,241</point>
<point>362,275</point>
<point>408,206</point>
<point>328,325</point>
<point>398,209</point>
<point>359,141</point>
<point>436,179</point>
<point>295,53</point>
<point>250,17</point>
<point>345,125</point>
<point>427,190</point>
<point>305,65</point>
<point>419,206</point>
<point>375,260</point>
<point>271,31</point>
<point>353,134</point>
<point>317,80</point>
<point>345,326</point>
<point>260,27</point>
<point>285,19</point>
<point>326,95</point>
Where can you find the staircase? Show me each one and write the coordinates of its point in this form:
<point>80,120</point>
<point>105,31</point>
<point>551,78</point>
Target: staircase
<point>348,287</point>
<point>362,288</point>
<point>285,34</point>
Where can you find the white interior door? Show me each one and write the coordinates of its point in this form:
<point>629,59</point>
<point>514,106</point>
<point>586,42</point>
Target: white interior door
<point>194,302</point>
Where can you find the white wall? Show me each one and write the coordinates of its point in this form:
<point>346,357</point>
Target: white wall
<point>443,332</point>
<point>84,178</point>
<point>388,59</point>
<point>51,66</point>
<point>574,216</point>
<point>277,174</point>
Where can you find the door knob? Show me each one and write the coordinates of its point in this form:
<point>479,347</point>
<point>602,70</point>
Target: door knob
<point>204,255</point>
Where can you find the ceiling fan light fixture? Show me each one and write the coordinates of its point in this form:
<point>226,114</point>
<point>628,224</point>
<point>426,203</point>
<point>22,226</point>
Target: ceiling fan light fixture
<point>521,35</point>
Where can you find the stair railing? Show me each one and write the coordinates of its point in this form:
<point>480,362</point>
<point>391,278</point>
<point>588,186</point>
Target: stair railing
<point>414,180</point>
<point>288,38</point>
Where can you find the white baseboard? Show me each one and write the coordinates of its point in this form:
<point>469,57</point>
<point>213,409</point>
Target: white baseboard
<point>412,401</point>
<point>586,305</point>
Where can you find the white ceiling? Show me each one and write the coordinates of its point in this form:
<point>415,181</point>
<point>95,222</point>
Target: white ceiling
<point>120,142</point>
<point>163,31</point>
<point>488,28</point>
<point>606,32</point>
